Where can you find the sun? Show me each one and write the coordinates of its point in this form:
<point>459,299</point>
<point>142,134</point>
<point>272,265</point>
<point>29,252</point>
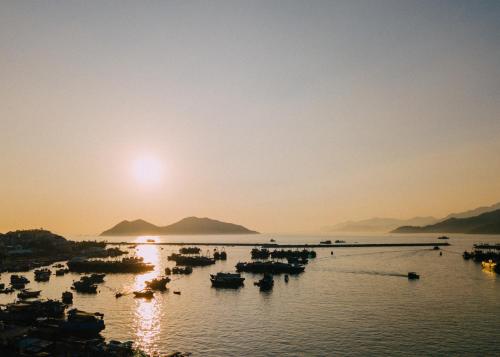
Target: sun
<point>147,170</point>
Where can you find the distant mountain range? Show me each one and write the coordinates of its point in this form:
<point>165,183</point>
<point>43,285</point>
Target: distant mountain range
<point>189,225</point>
<point>384,225</point>
<point>485,223</point>
<point>379,225</point>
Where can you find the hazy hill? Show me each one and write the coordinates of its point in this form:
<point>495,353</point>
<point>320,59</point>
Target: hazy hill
<point>379,225</point>
<point>486,223</point>
<point>470,213</point>
<point>189,225</point>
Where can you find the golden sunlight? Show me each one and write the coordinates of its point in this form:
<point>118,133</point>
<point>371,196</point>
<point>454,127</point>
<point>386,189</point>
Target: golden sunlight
<point>147,170</point>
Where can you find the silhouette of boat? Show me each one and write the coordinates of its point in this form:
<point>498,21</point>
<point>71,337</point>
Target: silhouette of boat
<point>67,297</point>
<point>82,323</point>
<point>158,283</point>
<point>266,283</point>
<point>226,280</point>
<point>412,275</point>
<point>443,237</point>
<point>270,267</point>
<point>146,293</point>
<point>28,294</point>
<point>325,242</point>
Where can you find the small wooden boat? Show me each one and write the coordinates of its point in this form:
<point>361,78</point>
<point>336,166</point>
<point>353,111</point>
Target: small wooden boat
<point>146,293</point>
<point>28,294</point>
<point>177,292</point>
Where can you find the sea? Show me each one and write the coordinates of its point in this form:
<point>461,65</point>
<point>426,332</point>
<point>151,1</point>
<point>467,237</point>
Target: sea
<point>348,302</point>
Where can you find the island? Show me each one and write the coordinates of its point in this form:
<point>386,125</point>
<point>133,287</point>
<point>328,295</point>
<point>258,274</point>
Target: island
<point>188,225</point>
<point>485,223</point>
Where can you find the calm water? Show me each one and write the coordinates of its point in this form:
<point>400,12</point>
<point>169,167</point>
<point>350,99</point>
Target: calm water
<point>355,302</point>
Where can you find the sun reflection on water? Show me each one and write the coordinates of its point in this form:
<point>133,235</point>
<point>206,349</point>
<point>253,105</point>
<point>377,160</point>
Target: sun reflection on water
<point>147,321</point>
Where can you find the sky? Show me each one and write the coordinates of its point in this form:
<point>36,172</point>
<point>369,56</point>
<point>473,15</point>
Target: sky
<point>283,116</point>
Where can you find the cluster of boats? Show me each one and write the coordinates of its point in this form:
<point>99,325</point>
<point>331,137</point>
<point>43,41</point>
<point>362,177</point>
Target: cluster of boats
<point>156,284</point>
<point>88,283</point>
<point>270,267</point>
<point>125,265</point>
<point>191,260</point>
<point>265,253</point>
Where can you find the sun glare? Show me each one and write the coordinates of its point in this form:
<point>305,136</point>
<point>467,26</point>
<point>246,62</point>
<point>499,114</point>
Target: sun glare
<point>147,170</point>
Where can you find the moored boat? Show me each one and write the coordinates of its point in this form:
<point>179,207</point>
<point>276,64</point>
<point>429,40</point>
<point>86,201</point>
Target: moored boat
<point>270,267</point>
<point>28,294</point>
<point>42,274</point>
<point>82,323</point>
<point>146,293</point>
<point>266,283</point>
<point>226,280</point>
<point>325,242</point>
<point>159,283</point>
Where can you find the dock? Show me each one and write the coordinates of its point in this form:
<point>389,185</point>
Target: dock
<point>275,245</point>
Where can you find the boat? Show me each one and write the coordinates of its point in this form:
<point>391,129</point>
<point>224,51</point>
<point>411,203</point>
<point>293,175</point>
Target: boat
<point>270,267</point>
<point>159,283</point>
<point>168,271</point>
<point>82,323</point>
<point>220,255</point>
<point>412,275</point>
<point>191,260</point>
<point>42,274</point>
<point>286,278</point>
<point>266,283</point>
<point>260,253</point>
<point>118,295</point>
<point>62,271</point>
<point>67,297</point>
<point>28,294</point>
<point>15,279</point>
<point>189,250</point>
<point>93,278</point>
<point>177,292</point>
<point>146,293</point>
<point>181,270</point>
<point>272,240</point>
<point>7,290</point>
<point>150,241</point>
<point>338,241</point>
<point>443,237</point>
<point>226,280</point>
<point>126,265</point>
<point>325,242</point>
<point>285,254</point>
<point>85,286</point>
<point>489,265</point>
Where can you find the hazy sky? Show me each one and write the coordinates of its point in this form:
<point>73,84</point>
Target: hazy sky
<point>282,116</point>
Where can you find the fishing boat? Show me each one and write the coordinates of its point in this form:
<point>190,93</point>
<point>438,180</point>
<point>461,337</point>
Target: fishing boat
<point>42,274</point>
<point>28,294</point>
<point>189,250</point>
<point>67,297</point>
<point>270,267</point>
<point>266,283</point>
<point>180,270</point>
<point>82,323</point>
<point>62,271</point>
<point>159,283</point>
<point>226,280</point>
<point>146,293</point>
<point>85,286</point>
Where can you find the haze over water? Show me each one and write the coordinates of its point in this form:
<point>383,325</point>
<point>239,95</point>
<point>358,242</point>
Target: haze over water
<point>356,302</point>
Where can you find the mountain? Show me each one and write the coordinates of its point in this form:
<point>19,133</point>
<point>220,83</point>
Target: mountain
<point>189,225</point>
<point>379,225</point>
<point>486,223</point>
<point>471,213</point>
<point>137,227</point>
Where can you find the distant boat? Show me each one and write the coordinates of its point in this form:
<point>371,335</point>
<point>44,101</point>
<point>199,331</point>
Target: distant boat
<point>266,283</point>
<point>339,241</point>
<point>325,242</point>
<point>412,275</point>
<point>146,293</point>
<point>443,237</point>
<point>272,240</point>
<point>150,241</point>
